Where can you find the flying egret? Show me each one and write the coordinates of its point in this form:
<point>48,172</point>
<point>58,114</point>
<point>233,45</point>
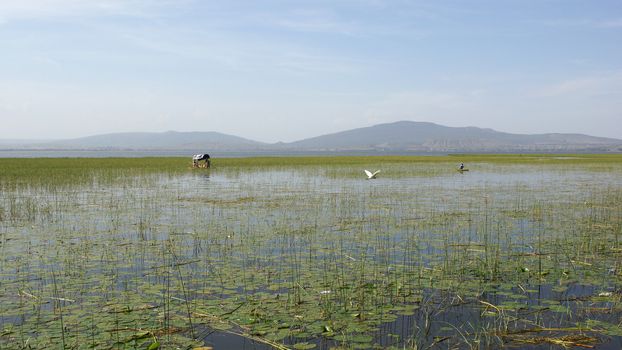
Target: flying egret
<point>371,175</point>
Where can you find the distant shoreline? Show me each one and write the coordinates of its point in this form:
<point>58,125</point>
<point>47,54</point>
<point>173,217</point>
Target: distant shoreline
<point>56,153</point>
<point>189,153</point>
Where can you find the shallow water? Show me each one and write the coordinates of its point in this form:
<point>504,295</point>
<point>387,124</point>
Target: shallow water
<point>316,256</point>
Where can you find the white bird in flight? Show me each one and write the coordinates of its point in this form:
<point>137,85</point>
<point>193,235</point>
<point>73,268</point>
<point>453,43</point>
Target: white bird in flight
<point>371,175</point>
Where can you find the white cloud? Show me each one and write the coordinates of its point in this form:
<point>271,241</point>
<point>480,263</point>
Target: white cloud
<point>614,23</point>
<point>584,22</point>
<point>11,10</point>
<point>305,63</point>
<point>424,102</point>
<point>320,21</point>
<point>603,84</point>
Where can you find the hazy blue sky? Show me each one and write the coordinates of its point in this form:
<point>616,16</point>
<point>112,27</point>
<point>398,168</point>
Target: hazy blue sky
<point>286,70</point>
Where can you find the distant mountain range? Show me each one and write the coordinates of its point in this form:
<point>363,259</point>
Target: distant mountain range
<point>398,137</point>
<point>169,140</point>
<point>430,137</point>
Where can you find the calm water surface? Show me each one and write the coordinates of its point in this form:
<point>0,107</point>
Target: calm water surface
<point>145,252</point>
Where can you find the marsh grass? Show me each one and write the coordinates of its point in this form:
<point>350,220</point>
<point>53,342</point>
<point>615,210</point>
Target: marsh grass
<point>304,252</point>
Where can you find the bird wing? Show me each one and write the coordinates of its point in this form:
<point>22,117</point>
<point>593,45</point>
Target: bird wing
<point>376,173</point>
<point>368,173</point>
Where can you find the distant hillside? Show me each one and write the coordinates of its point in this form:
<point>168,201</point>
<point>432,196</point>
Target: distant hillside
<point>170,140</point>
<point>398,137</point>
<point>430,137</point>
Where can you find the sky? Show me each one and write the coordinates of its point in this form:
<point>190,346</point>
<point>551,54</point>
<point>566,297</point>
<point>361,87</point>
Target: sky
<point>284,70</point>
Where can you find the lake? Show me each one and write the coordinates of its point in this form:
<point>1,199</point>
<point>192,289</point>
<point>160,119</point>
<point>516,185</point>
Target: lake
<point>306,253</point>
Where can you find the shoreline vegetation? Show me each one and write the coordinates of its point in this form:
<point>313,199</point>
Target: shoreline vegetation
<point>523,251</point>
